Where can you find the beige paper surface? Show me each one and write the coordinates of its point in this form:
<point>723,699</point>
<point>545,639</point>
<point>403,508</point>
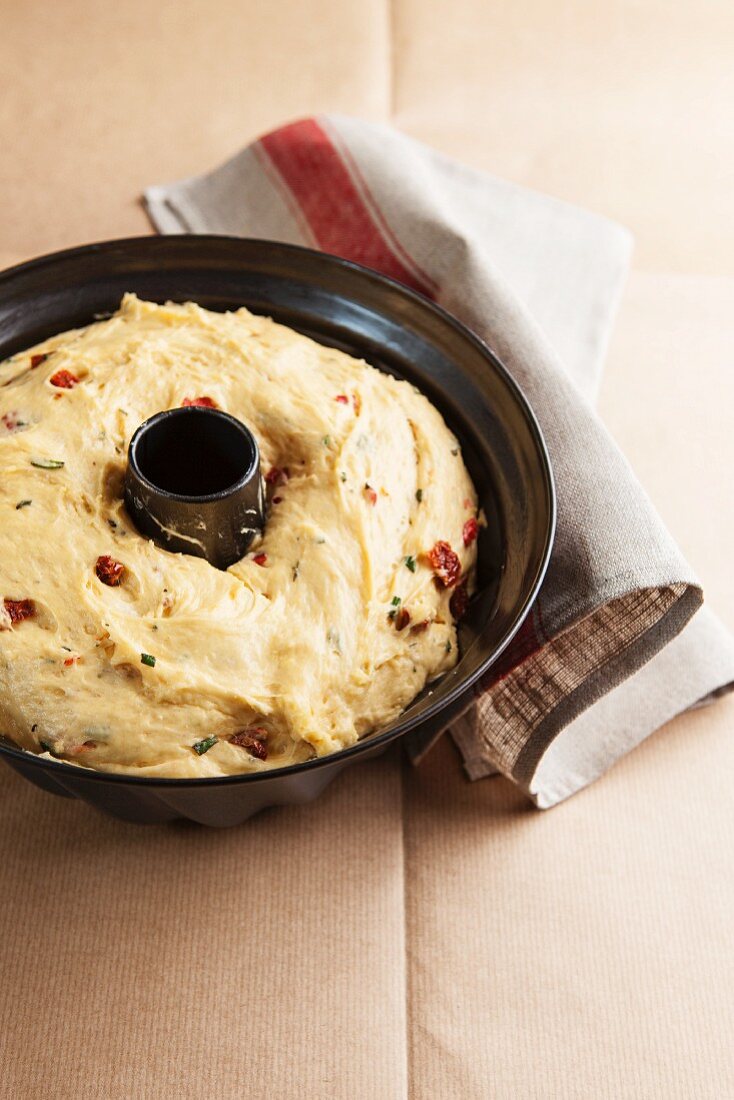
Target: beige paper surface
<point>409,933</point>
<point>184,962</point>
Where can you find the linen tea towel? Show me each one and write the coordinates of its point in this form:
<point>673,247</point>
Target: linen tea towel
<point>617,642</point>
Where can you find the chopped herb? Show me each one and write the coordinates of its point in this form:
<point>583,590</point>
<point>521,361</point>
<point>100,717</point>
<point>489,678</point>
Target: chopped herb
<point>454,451</point>
<point>326,441</point>
<point>320,541</point>
<point>46,747</point>
<point>47,463</point>
<point>396,601</point>
<point>34,727</point>
<point>67,648</point>
<point>410,563</point>
<point>296,570</point>
<point>419,495</point>
<point>343,476</point>
<point>22,504</point>
<point>203,746</point>
<point>112,523</point>
<point>147,659</point>
<point>448,647</point>
<point>154,626</point>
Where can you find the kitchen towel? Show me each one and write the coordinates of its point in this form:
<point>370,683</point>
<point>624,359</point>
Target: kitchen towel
<point>617,642</point>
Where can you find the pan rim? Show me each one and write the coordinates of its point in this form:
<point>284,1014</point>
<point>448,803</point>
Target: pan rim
<point>397,729</point>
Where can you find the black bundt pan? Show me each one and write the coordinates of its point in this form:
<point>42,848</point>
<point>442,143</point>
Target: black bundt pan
<point>350,307</point>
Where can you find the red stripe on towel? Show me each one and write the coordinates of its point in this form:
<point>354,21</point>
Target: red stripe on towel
<point>321,184</point>
<point>374,209</point>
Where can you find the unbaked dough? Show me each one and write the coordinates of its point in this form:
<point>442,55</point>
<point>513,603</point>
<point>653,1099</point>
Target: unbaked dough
<point>327,629</point>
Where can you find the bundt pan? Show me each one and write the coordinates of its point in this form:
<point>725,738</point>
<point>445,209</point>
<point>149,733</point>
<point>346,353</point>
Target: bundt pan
<point>346,306</point>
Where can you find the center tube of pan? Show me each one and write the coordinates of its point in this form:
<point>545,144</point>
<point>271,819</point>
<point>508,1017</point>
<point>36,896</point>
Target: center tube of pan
<point>193,484</point>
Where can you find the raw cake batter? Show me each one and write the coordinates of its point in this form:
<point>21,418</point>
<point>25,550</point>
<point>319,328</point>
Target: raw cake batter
<point>119,655</point>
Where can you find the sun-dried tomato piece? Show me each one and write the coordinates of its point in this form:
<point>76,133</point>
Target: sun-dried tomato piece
<point>64,380</point>
<point>459,601</point>
<point>109,571</point>
<point>445,564</point>
<point>402,618</point>
<point>18,610</point>
<point>370,494</point>
<point>12,421</point>
<point>420,627</point>
<point>277,475</point>
<point>201,402</point>
<point>69,661</point>
<point>470,532</point>
<point>36,360</point>
<point>252,740</point>
<point>260,559</point>
<point>342,399</point>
